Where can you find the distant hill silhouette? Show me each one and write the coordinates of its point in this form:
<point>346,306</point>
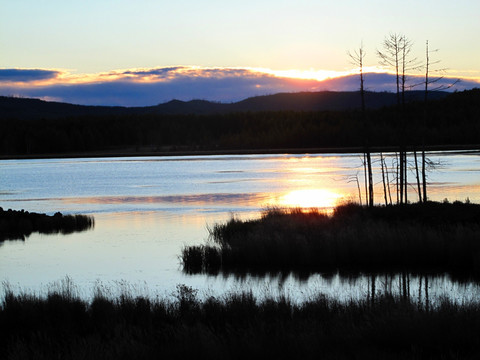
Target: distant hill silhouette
<point>24,108</point>
<point>281,121</point>
<point>324,100</point>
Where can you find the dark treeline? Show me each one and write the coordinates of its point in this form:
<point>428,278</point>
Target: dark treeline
<point>238,326</point>
<point>16,225</point>
<point>407,238</point>
<point>25,108</point>
<point>452,120</point>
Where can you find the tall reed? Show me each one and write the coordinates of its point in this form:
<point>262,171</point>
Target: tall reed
<point>237,326</point>
<point>432,237</point>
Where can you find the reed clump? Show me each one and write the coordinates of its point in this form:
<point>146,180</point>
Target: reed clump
<point>431,237</point>
<point>19,224</point>
<point>234,326</point>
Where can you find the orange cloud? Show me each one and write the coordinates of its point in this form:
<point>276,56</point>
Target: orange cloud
<point>150,86</point>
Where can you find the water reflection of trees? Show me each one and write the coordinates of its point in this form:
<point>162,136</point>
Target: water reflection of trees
<point>424,290</point>
<point>17,225</point>
<point>385,247</point>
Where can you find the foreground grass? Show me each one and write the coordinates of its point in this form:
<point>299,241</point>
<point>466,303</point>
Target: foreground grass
<point>432,237</point>
<point>16,224</point>
<point>236,326</point>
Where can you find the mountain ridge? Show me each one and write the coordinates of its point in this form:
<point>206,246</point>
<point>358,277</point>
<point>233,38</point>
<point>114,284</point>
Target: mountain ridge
<point>28,108</point>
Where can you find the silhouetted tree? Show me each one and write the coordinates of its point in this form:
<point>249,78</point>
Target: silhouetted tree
<point>428,81</point>
<point>408,64</point>
<point>357,58</point>
<point>383,179</point>
<point>391,56</point>
<point>396,54</point>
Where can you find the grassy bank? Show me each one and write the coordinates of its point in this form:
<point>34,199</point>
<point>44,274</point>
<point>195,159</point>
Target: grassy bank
<point>16,225</point>
<point>432,237</point>
<point>235,326</point>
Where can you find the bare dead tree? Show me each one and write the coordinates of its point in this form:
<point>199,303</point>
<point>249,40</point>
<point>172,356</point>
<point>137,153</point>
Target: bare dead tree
<point>388,181</point>
<point>438,87</point>
<point>418,177</point>
<point>384,170</point>
<point>391,56</point>
<point>354,178</point>
<point>383,179</point>
<point>397,183</point>
<point>359,192</point>
<point>408,63</point>
<point>406,48</point>
<point>357,59</point>
<point>425,114</point>
<point>365,177</point>
<point>396,54</point>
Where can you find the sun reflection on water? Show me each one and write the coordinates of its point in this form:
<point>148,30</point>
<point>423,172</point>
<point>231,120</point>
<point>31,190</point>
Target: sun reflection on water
<point>310,198</point>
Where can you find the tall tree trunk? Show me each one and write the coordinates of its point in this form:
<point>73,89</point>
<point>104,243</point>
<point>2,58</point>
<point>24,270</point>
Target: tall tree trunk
<point>359,191</point>
<point>396,50</point>
<point>417,176</point>
<point>365,177</point>
<point>357,59</point>
<point>424,176</point>
<point>405,182</point>
<point>401,175</point>
<point>383,179</point>
<point>370,180</point>
<point>388,182</point>
<point>397,157</point>
<point>367,137</point>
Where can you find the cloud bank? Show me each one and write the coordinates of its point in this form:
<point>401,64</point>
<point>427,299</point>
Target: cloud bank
<point>144,87</point>
<point>26,75</point>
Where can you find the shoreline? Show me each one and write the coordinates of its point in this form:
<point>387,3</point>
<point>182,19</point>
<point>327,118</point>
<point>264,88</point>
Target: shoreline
<point>153,153</point>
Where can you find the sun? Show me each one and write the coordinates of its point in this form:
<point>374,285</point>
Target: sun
<point>310,198</point>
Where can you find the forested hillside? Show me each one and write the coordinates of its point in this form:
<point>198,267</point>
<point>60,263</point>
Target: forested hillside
<point>21,108</point>
<point>454,119</point>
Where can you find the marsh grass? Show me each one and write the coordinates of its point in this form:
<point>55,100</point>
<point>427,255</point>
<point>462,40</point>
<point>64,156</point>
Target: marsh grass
<point>16,225</point>
<point>234,326</point>
<point>429,238</point>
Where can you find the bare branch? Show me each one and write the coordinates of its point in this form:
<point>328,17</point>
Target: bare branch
<point>445,86</point>
<point>428,80</point>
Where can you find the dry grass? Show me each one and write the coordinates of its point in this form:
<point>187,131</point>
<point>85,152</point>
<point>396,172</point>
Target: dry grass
<point>235,326</point>
<point>432,237</point>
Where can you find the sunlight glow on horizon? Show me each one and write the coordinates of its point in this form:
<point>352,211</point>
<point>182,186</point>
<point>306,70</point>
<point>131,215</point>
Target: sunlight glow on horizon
<point>167,73</point>
<point>69,76</point>
<point>152,86</point>
<point>311,74</point>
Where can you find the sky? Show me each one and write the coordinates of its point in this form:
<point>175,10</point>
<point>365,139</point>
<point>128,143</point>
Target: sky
<point>145,52</point>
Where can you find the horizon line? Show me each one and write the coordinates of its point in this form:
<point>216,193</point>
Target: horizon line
<point>153,86</point>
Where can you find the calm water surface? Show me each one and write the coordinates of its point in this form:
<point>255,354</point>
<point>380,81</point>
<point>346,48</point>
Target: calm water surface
<point>146,209</point>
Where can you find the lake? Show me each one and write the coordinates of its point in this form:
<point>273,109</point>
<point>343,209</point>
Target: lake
<point>147,208</point>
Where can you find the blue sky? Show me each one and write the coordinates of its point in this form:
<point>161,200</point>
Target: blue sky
<point>77,45</point>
